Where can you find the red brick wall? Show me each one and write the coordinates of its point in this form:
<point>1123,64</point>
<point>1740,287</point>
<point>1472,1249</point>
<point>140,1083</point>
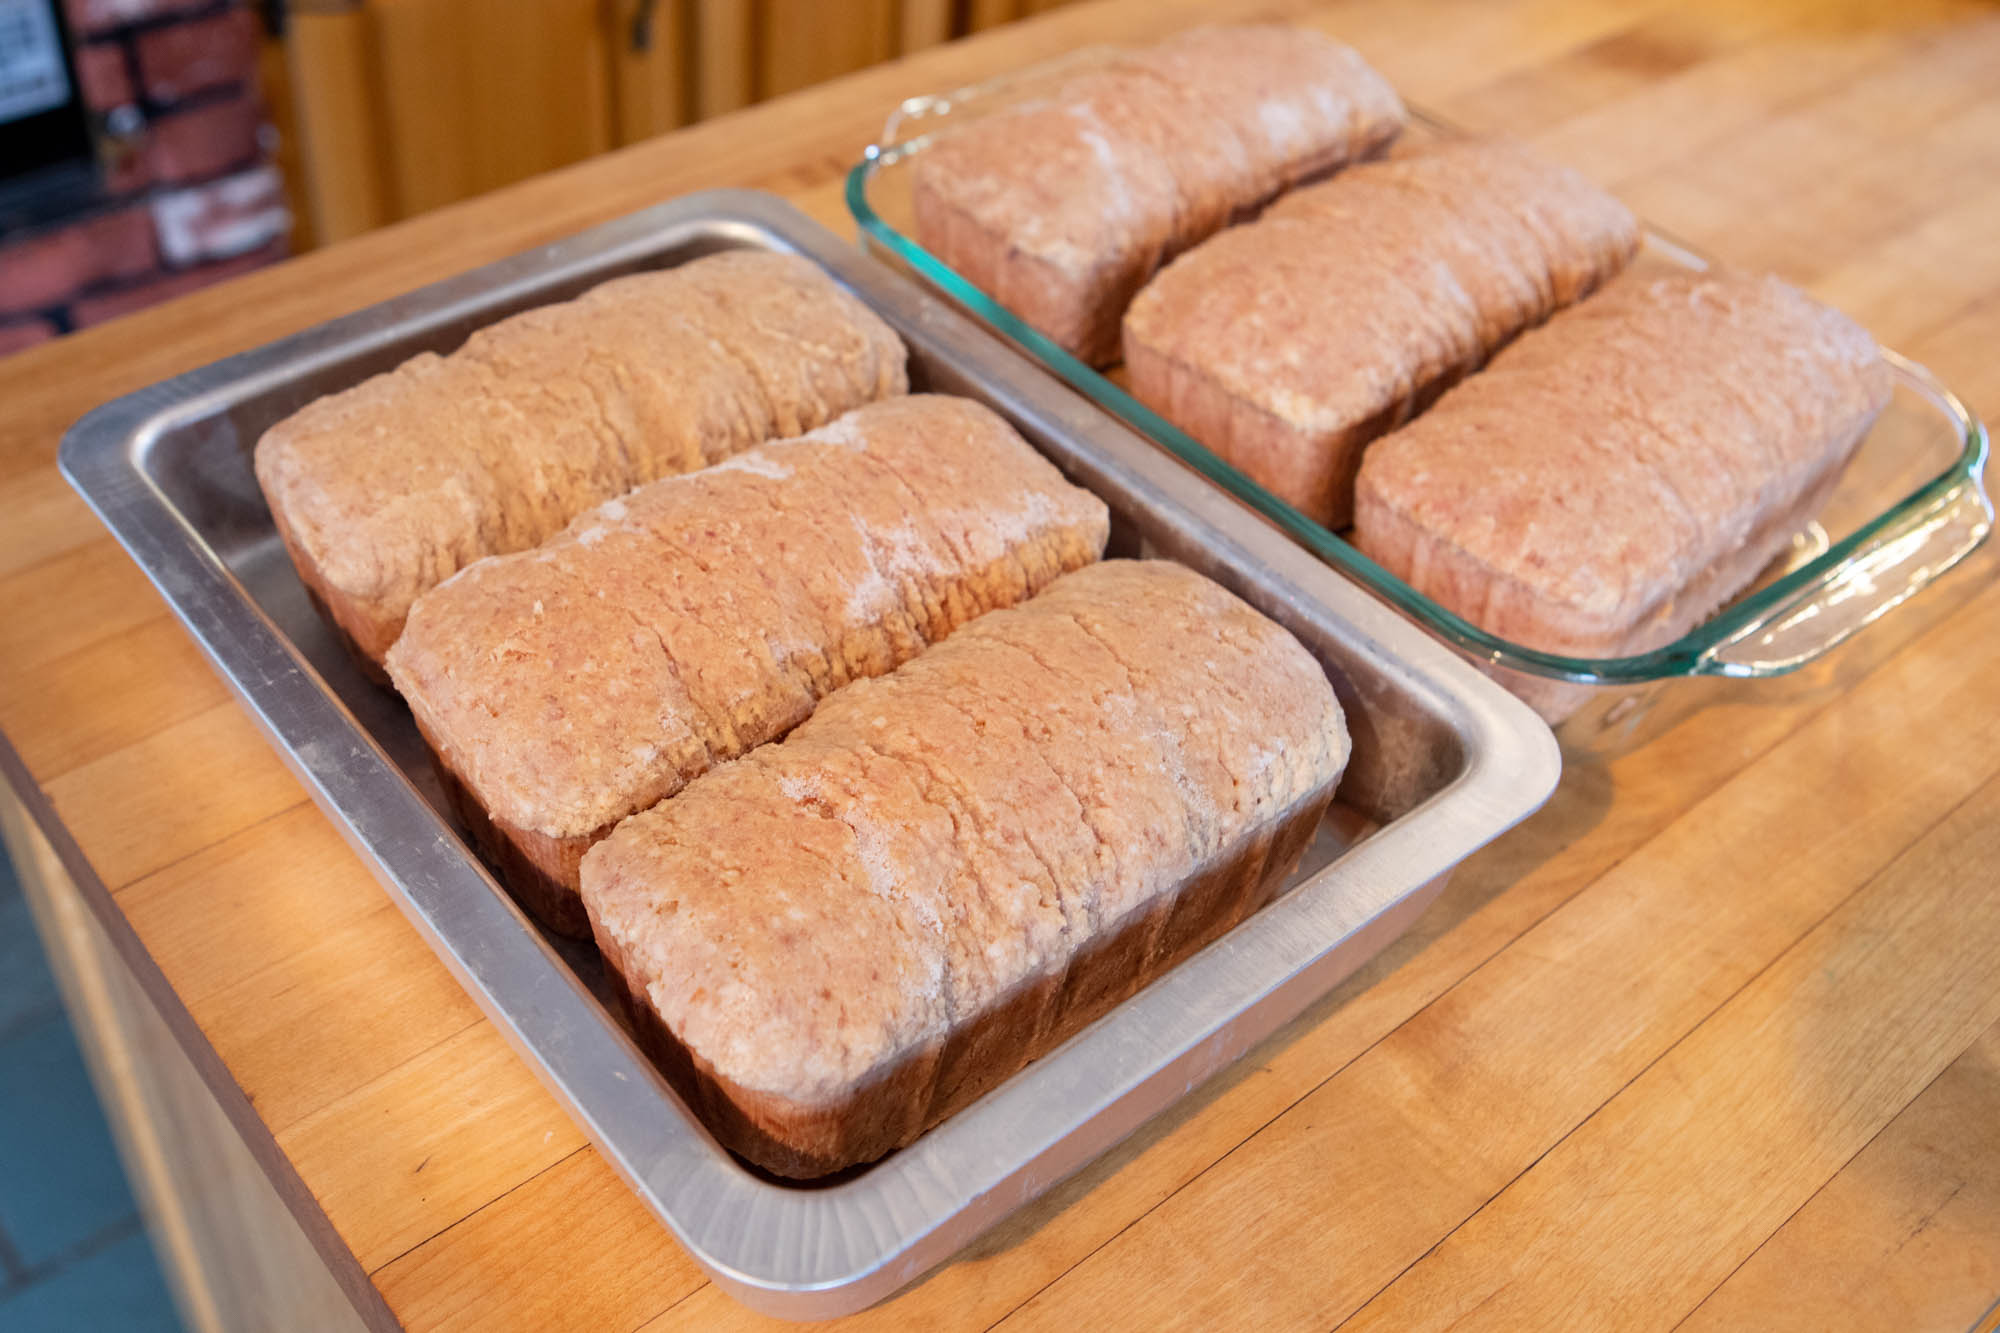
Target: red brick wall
<point>190,194</point>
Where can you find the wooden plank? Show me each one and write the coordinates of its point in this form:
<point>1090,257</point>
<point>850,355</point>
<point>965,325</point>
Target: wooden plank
<point>515,1263</point>
<point>1683,80</point>
<point>182,789</point>
<point>1820,213</point>
<point>396,1161</point>
<point>1675,118</point>
<point>1925,273</point>
<point>1468,44</point>
<point>355,1004</point>
<point>45,518</point>
<point>826,204</point>
<point>1760,1105</point>
<point>69,601</point>
<point>1820,146</point>
<point>249,902</point>
<point>1907,1235</point>
<point>89,702</point>
<point>1469,1092</point>
<point>1623,63</point>
<point>1960,351</point>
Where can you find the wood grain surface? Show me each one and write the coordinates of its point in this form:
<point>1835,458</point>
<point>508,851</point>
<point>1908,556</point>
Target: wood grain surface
<point>1713,1038</point>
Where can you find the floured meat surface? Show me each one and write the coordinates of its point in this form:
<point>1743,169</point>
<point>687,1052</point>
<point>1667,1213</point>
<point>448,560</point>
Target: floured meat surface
<point>1288,344</point>
<point>700,616</point>
<point>935,842</point>
<point>1615,475</point>
<point>1062,207</point>
<point>386,489</point>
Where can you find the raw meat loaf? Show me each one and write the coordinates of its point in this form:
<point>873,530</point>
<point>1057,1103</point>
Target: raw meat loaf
<point>386,489</point>
<point>564,688</point>
<point>1062,207</point>
<point>1285,346</point>
<point>1616,475</point>
<point>834,943</point>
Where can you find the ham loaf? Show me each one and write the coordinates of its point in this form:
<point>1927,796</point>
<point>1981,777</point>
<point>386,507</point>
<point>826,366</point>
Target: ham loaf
<point>664,632</point>
<point>386,489</point>
<point>1061,207</point>
<point>1616,475</point>
<point>1287,345</point>
<point>836,941</point>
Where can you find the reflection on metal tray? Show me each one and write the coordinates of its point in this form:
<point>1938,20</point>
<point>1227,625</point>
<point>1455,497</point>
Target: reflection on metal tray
<point>1444,761</point>
<point>1911,504</point>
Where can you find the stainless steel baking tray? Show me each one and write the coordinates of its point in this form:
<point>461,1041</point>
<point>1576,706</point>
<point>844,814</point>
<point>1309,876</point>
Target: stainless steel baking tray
<point>1444,761</point>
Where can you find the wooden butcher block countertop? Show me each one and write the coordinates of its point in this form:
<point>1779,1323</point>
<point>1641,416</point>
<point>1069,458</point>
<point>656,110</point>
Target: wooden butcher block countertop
<point>1714,1037</point>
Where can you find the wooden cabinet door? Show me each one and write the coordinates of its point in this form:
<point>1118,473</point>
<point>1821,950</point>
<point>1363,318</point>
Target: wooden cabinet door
<point>479,93</point>
<point>404,105</point>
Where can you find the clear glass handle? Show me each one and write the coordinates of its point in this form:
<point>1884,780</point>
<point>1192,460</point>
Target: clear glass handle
<point>1901,560</point>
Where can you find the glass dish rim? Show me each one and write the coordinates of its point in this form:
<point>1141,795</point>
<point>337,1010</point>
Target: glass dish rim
<point>1699,651</point>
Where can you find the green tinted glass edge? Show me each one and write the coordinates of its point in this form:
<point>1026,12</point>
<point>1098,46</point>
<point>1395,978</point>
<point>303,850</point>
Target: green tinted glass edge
<point>1688,655</point>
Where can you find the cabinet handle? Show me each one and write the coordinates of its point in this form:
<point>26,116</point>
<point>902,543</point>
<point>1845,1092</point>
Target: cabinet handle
<point>642,26</point>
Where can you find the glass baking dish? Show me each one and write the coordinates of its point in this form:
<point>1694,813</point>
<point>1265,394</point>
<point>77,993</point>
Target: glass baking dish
<point>1911,504</point>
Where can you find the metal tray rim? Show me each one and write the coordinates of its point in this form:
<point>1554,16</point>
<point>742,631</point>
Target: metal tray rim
<point>789,1251</point>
